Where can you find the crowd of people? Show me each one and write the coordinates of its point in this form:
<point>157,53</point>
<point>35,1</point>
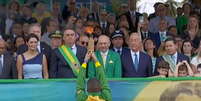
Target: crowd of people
<point>36,44</point>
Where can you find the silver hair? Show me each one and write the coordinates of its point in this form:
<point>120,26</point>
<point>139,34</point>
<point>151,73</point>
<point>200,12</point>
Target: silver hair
<point>2,40</point>
<point>34,24</point>
<point>134,33</point>
<point>112,15</point>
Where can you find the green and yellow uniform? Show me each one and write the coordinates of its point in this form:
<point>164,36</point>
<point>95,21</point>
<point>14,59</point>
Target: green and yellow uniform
<point>105,94</point>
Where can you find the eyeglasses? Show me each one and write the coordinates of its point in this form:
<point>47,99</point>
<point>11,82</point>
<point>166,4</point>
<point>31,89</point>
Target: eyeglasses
<point>72,3</point>
<point>160,10</point>
<point>84,43</point>
<point>103,14</point>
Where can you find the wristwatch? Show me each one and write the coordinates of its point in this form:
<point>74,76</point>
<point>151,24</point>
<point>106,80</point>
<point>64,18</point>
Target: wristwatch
<point>85,60</point>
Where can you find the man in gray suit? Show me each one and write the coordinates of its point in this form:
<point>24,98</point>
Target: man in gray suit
<point>50,27</point>
<point>162,14</point>
<point>7,63</point>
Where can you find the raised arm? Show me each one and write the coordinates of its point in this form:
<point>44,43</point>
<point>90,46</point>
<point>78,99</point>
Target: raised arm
<point>105,92</point>
<point>176,69</point>
<point>81,84</point>
<point>190,72</point>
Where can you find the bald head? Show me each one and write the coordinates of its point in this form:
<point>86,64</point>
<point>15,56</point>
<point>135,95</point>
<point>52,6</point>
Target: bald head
<point>103,43</point>
<point>2,46</point>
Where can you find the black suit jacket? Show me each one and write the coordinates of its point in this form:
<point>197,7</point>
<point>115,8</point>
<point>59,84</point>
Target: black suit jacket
<point>9,67</point>
<point>131,27</point>
<point>60,68</point>
<point>45,49</point>
<point>149,34</point>
<point>152,15</point>
<point>180,58</point>
<point>91,16</point>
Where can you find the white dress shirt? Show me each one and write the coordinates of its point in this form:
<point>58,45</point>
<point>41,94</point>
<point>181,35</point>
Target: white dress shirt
<point>74,49</point>
<point>1,59</point>
<point>116,50</point>
<point>101,24</point>
<point>38,46</point>
<point>175,57</point>
<point>105,55</point>
<point>133,56</point>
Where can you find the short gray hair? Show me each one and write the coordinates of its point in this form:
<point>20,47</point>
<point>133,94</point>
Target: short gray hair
<point>2,40</point>
<point>112,15</point>
<point>34,24</point>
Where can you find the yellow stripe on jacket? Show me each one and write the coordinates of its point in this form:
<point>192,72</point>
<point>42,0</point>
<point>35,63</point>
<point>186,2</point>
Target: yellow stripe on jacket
<point>94,98</point>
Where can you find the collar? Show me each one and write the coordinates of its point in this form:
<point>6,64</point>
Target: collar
<point>133,53</point>
<point>162,32</point>
<point>132,12</point>
<point>103,23</point>
<point>2,56</point>
<point>73,47</point>
<point>162,17</point>
<point>117,49</point>
<point>105,53</point>
<point>144,32</point>
<point>175,55</point>
<point>39,43</point>
<point>94,94</point>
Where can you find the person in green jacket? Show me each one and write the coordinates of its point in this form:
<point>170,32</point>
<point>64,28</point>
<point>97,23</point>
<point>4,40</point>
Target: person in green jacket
<point>97,88</point>
<point>110,60</point>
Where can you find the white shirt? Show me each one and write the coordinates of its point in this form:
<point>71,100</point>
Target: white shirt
<point>117,50</point>
<point>1,59</point>
<point>175,57</point>
<point>143,33</point>
<point>38,46</point>
<point>101,24</point>
<point>105,54</point>
<point>195,61</point>
<point>133,56</point>
<point>74,49</point>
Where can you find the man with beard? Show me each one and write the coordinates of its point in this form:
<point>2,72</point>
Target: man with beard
<point>27,15</point>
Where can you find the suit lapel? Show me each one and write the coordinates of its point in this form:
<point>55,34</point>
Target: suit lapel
<point>140,62</point>
<point>99,57</point>
<point>130,61</point>
<point>108,59</point>
<point>178,57</point>
<point>4,63</point>
<point>42,47</point>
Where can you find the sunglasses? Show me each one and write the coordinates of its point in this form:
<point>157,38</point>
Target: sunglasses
<point>103,14</point>
<point>72,3</point>
<point>161,10</point>
<point>84,43</point>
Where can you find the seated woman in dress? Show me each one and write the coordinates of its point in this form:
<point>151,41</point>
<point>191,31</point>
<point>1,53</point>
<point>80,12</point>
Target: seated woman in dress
<point>32,64</point>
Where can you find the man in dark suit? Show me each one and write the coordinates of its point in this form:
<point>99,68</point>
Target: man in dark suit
<point>69,9</point>
<point>133,16</point>
<point>117,39</point>
<point>8,68</point>
<point>134,62</point>
<point>172,56</point>
<point>103,20</point>
<point>95,13</point>
<point>162,34</point>
<point>27,15</point>
<point>145,33</point>
<point>42,47</point>
<point>66,60</point>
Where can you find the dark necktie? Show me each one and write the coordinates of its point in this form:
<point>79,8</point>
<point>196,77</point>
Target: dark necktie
<point>103,25</point>
<point>119,52</point>
<point>1,66</point>
<point>145,35</point>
